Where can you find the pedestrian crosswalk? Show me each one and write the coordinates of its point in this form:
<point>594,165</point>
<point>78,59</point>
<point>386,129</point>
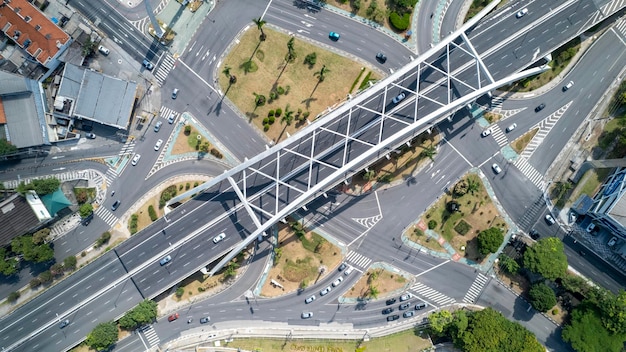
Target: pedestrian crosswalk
<point>496,102</point>
<point>545,126</point>
<point>106,216</point>
<point>531,214</point>
<point>164,68</point>
<point>431,295</point>
<point>127,148</point>
<point>612,6</point>
<point>620,27</point>
<point>499,136</point>
<point>150,335</point>
<point>529,171</point>
<point>476,288</point>
<point>358,259</point>
<point>166,112</point>
<point>63,177</point>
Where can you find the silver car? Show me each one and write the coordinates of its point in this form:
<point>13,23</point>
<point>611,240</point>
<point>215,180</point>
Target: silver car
<point>307,315</point>
<point>398,98</point>
<point>310,299</point>
<point>325,291</point>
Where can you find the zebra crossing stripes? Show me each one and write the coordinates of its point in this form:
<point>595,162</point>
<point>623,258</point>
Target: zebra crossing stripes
<point>164,68</point>
<point>476,288</point>
<point>545,126</point>
<point>529,171</point>
<point>612,6</point>
<point>499,136</point>
<point>151,335</point>
<point>496,103</point>
<point>106,216</point>
<point>166,112</point>
<point>432,295</point>
<point>127,148</point>
<point>620,26</point>
<point>358,259</point>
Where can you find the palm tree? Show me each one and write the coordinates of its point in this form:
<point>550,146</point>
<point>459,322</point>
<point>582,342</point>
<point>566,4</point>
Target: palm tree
<point>291,53</point>
<point>472,186</point>
<point>429,152</point>
<point>288,116</point>
<point>231,79</point>
<point>321,74</point>
<point>259,24</point>
<point>373,292</point>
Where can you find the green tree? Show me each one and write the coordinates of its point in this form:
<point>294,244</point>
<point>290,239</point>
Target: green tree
<point>37,253</point>
<point>103,336</point>
<point>373,291</point>
<point>40,236</point>
<point>291,51</point>
<point>576,284</point>
<point>69,263</point>
<point>321,74</point>
<point>439,322</point>
<point>231,78</point>
<point>89,47</point>
<point>586,333</point>
<point>231,270</point>
<point>429,152</point>
<point>85,210</point>
<point>490,240</point>
<point>13,296</point>
<point>142,314</point>
<point>542,298</point>
<point>41,187</point>
<point>369,175</point>
<point>6,147</point>
<point>472,185</point>
<point>613,309</point>
<point>278,252</point>
<point>287,117</point>
<point>547,258</point>
<point>259,25</point>
<point>508,264</point>
<point>8,266</point>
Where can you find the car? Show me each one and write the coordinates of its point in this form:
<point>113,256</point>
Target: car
<point>612,242</point>
<point>404,306</point>
<point>381,57</point>
<point>387,310</point>
<point>338,281</point>
<point>486,132</point>
<point>398,98</point>
<point>550,219</point>
<point>87,220</point>
<point>511,128</point>
<point>348,271</point>
<point>116,205</point>
<point>171,119</point>
<point>421,306</point>
<point>342,266</point>
<point>496,168</point>
<point>325,291</point>
<point>147,64</point>
<point>334,36</point>
<point>158,125</point>
<point>173,317</point>
<point>569,85</point>
<point>135,159</point>
<point>306,315</point>
<point>165,260</point>
<point>103,50</point>
<point>64,323</point>
<point>408,314</point>
<point>534,234</point>
<point>405,297</point>
<point>174,93</point>
<point>90,135</point>
<point>158,144</point>
<point>540,107</point>
<point>205,320</point>
<point>390,301</point>
<point>521,13</point>
<point>393,317</point>
<point>219,237</point>
<point>310,299</point>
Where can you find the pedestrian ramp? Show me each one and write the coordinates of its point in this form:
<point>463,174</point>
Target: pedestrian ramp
<point>106,216</point>
<point>431,295</point>
<point>358,260</point>
<point>476,288</point>
<point>150,335</point>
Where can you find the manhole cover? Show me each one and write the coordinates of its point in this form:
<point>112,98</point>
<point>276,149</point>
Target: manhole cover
<point>119,61</point>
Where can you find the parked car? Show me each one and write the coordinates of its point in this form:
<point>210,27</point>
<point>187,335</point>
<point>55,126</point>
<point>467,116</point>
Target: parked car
<point>219,237</point>
<point>521,13</point>
<point>390,301</point>
<point>158,144</point>
<point>550,219</point>
<point>496,168</point>
<point>612,241</point>
<point>408,314</point>
<point>393,317</point>
<point>486,132</point>
<point>171,119</point>
<point>64,323</point>
<point>325,291</point>
<point>334,36</point>
<point>569,85</point>
<point>310,299</point>
<point>205,320</point>
<point>511,128</point>
<point>307,315</point>
<point>173,317</point>
<point>103,50</point>
<point>165,260</point>
<point>381,57</point>
<point>540,107</point>
<point>387,310</point>
<point>147,64</point>
<point>398,98</point>
<point>135,159</point>
<point>116,205</point>
<point>338,281</point>
<point>158,125</point>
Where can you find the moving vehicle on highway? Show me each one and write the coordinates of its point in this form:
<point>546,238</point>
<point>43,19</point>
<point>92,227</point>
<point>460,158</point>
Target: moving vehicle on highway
<point>511,128</point>
<point>165,260</point>
<point>310,299</point>
<point>496,168</point>
<point>342,266</point>
<point>405,297</point>
<point>387,310</point>
<point>64,323</point>
<point>550,219</point>
<point>421,305</point>
<point>307,315</point>
<point>147,64</point>
<point>569,85</point>
<point>404,306</point>
<point>171,119</point>
<point>521,13</point>
<point>486,132</point>
<point>173,317</point>
<point>338,281</point>
<point>135,159</point>
<point>158,125</point>
<point>116,205</point>
<point>381,57</point>
<point>393,317</point>
<point>175,93</point>
<point>540,107</point>
<point>612,241</point>
<point>408,314</point>
<point>398,98</point>
<point>325,291</point>
<point>390,301</point>
<point>205,320</point>
<point>157,146</point>
<point>334,36</point>
<point>219,237</point>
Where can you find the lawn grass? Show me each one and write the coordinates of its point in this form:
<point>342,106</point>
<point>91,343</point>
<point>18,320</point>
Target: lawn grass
<point>590,182</point>
<point>407,340</point>
<point>418,236</point>
<point>520,144</point>
<point>302,91</point>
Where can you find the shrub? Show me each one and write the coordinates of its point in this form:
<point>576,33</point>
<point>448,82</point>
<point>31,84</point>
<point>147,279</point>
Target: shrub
<point>187,130</point>
<point>81,195</point>
<point>187,186</point>
<point>273,95</point>
<point>287,88</point>
<point>386,178</point>
<point>401,23</point>
<point>180,187</point>
<point>278,112</point>
<point>270,113</point>
<point>180,292</point>
<point>280,90</point>
<point>311,59</point>
<point>195,184</point>
<point>69,263</point>
<point>432,224</point>
<point>266,120</point>
<point>45,277</point>
<point>132,226</point>
<point>306,114</point>
<point>271,120</point>
<point>266,127</point>
<point>35,282</point>
<point>216,153</point>
<point>462,227</point>
<point>152,213</point>
<point>365,81</point>
<point>13,296</point>
<point>167,194</point>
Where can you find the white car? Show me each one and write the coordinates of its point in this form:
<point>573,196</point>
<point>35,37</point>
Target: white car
<point>348,271</point>
<point>511,128</point>
<point>405,297</point>
<point>136,159</point>
<point>171,119</point>
<point>496,168</point>
<point>310,299</point>
<point>158,144</point>
<point>219,237</point>
<point>398,98</point>
<point>486,132</point>
<point>521,13</point>
<point>325,291</point>
<point>338,281</point>
<point>103,50</point>
<point>307,315</point>
<point>612,242</point>
<point>569,85</point>
<point>550,219</point>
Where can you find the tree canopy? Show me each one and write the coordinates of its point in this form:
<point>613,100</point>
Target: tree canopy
<point>142,314</point>
<point>586,333</point>
<point>85,210</point>
<point>25,246</point>
<point>41,187</point>
<point>542,298</point>
<point>8,266</point>
<point>102,336</point>
<point>490,240</point>
<point>6,147</point>
<point>547,258</point>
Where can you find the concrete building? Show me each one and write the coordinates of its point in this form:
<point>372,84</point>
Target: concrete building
<point>20,215</point>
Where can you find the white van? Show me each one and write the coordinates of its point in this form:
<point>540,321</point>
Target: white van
<point>348,271</point>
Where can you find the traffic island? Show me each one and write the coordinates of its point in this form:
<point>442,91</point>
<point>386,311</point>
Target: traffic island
<point>378,281</point>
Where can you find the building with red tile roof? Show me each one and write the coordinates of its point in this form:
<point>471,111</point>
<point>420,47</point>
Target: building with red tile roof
<point>33,31</point>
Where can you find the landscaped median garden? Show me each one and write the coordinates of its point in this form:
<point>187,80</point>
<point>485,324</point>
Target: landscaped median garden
<point>281,82</point>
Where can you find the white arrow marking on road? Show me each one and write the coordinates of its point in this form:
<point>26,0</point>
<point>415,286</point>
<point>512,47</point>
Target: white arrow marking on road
<point>306,24</point>
<point>59,169</point>
<point>309,16</point>
<point>303,31</point>
<point>58,157</point>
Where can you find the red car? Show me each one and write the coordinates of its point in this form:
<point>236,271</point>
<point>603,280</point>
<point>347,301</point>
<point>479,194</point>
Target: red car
<point>172,317</point>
